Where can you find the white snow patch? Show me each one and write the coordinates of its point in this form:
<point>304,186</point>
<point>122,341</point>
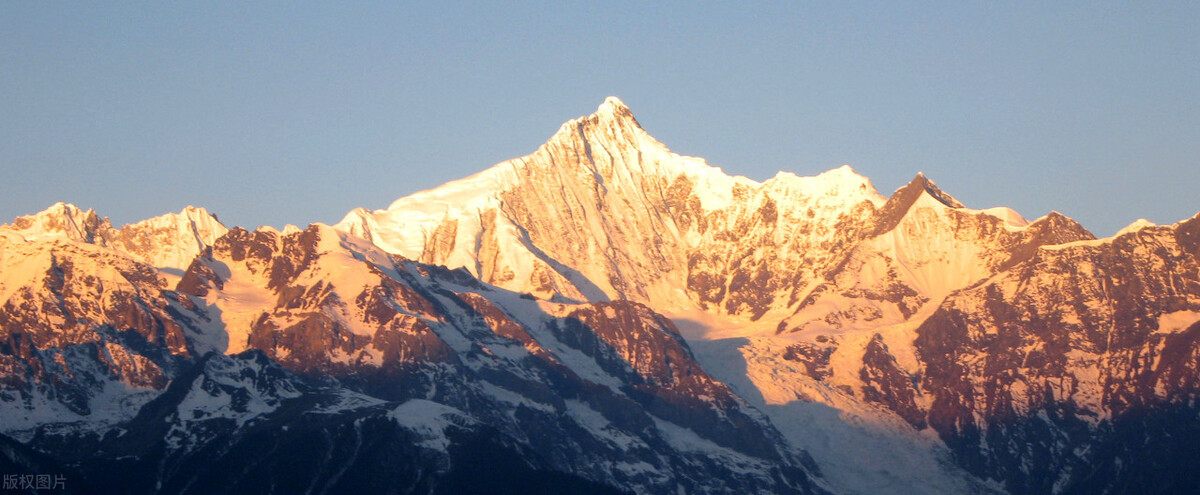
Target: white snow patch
<point>1077,244</point>
<point>241,301</point>
<point>429,420</point>
<point>1136,226</point>
<point>1177,321</point>
<point>601,427</point>
<point>861,448</point>
<point>1012,219</point>
<point>505,395</point>
<point>686,440</point>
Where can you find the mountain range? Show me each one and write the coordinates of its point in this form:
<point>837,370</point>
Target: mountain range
<point>606,316</point>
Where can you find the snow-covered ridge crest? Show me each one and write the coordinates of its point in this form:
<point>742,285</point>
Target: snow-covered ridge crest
<point>929,195</point>
<point>842,182</point>
<point>590,142</point>
<point>172,240</point>
<point>1135,227</point>
<point>638,214</point>
<point>168,242</point>
<point>613,146</point>
<point>612,130</point>
<point>61,221</point>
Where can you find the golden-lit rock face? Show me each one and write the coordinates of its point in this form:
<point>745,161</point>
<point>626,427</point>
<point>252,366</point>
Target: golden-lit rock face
<point>604,211</point>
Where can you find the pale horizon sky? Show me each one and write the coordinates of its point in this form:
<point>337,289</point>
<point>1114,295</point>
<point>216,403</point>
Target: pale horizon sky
<point>300,112</point>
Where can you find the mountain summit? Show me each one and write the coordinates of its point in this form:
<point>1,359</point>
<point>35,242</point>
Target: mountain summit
<point>615,109</point>
<point>168,242</point>
<point>605,211</point>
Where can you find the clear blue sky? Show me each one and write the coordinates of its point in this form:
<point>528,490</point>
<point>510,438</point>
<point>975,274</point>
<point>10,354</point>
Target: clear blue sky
<point>296,113</point>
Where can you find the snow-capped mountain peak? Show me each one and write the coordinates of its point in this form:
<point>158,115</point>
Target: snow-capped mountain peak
<point>168,242</point>
<point>1135,226</point>
<point>614,107</point>
<point>931,189</point>
<point>172,240</point>
<point>613,102</point>
<point>601,137</point>
<point>604,196</point>
<point>842,182</point>
<point>60,220</point>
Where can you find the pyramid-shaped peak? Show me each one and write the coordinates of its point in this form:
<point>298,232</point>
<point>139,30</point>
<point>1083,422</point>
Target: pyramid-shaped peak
<point>903,199</point>
<point>191,215</point>
<point>613,109</point>
<point>613,102</point>
<point>61,209</point>
<point>922,183</point>
<point>61,220</point>
<point>612,123</point>
<point>844,171</point>
<point>199,213</point>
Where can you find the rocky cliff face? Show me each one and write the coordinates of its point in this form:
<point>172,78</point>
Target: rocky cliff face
<point>88,327</point>
<point>406,363</point>
<point>84,330</point>
<point>1068,350</point>
<point>924,246</point>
